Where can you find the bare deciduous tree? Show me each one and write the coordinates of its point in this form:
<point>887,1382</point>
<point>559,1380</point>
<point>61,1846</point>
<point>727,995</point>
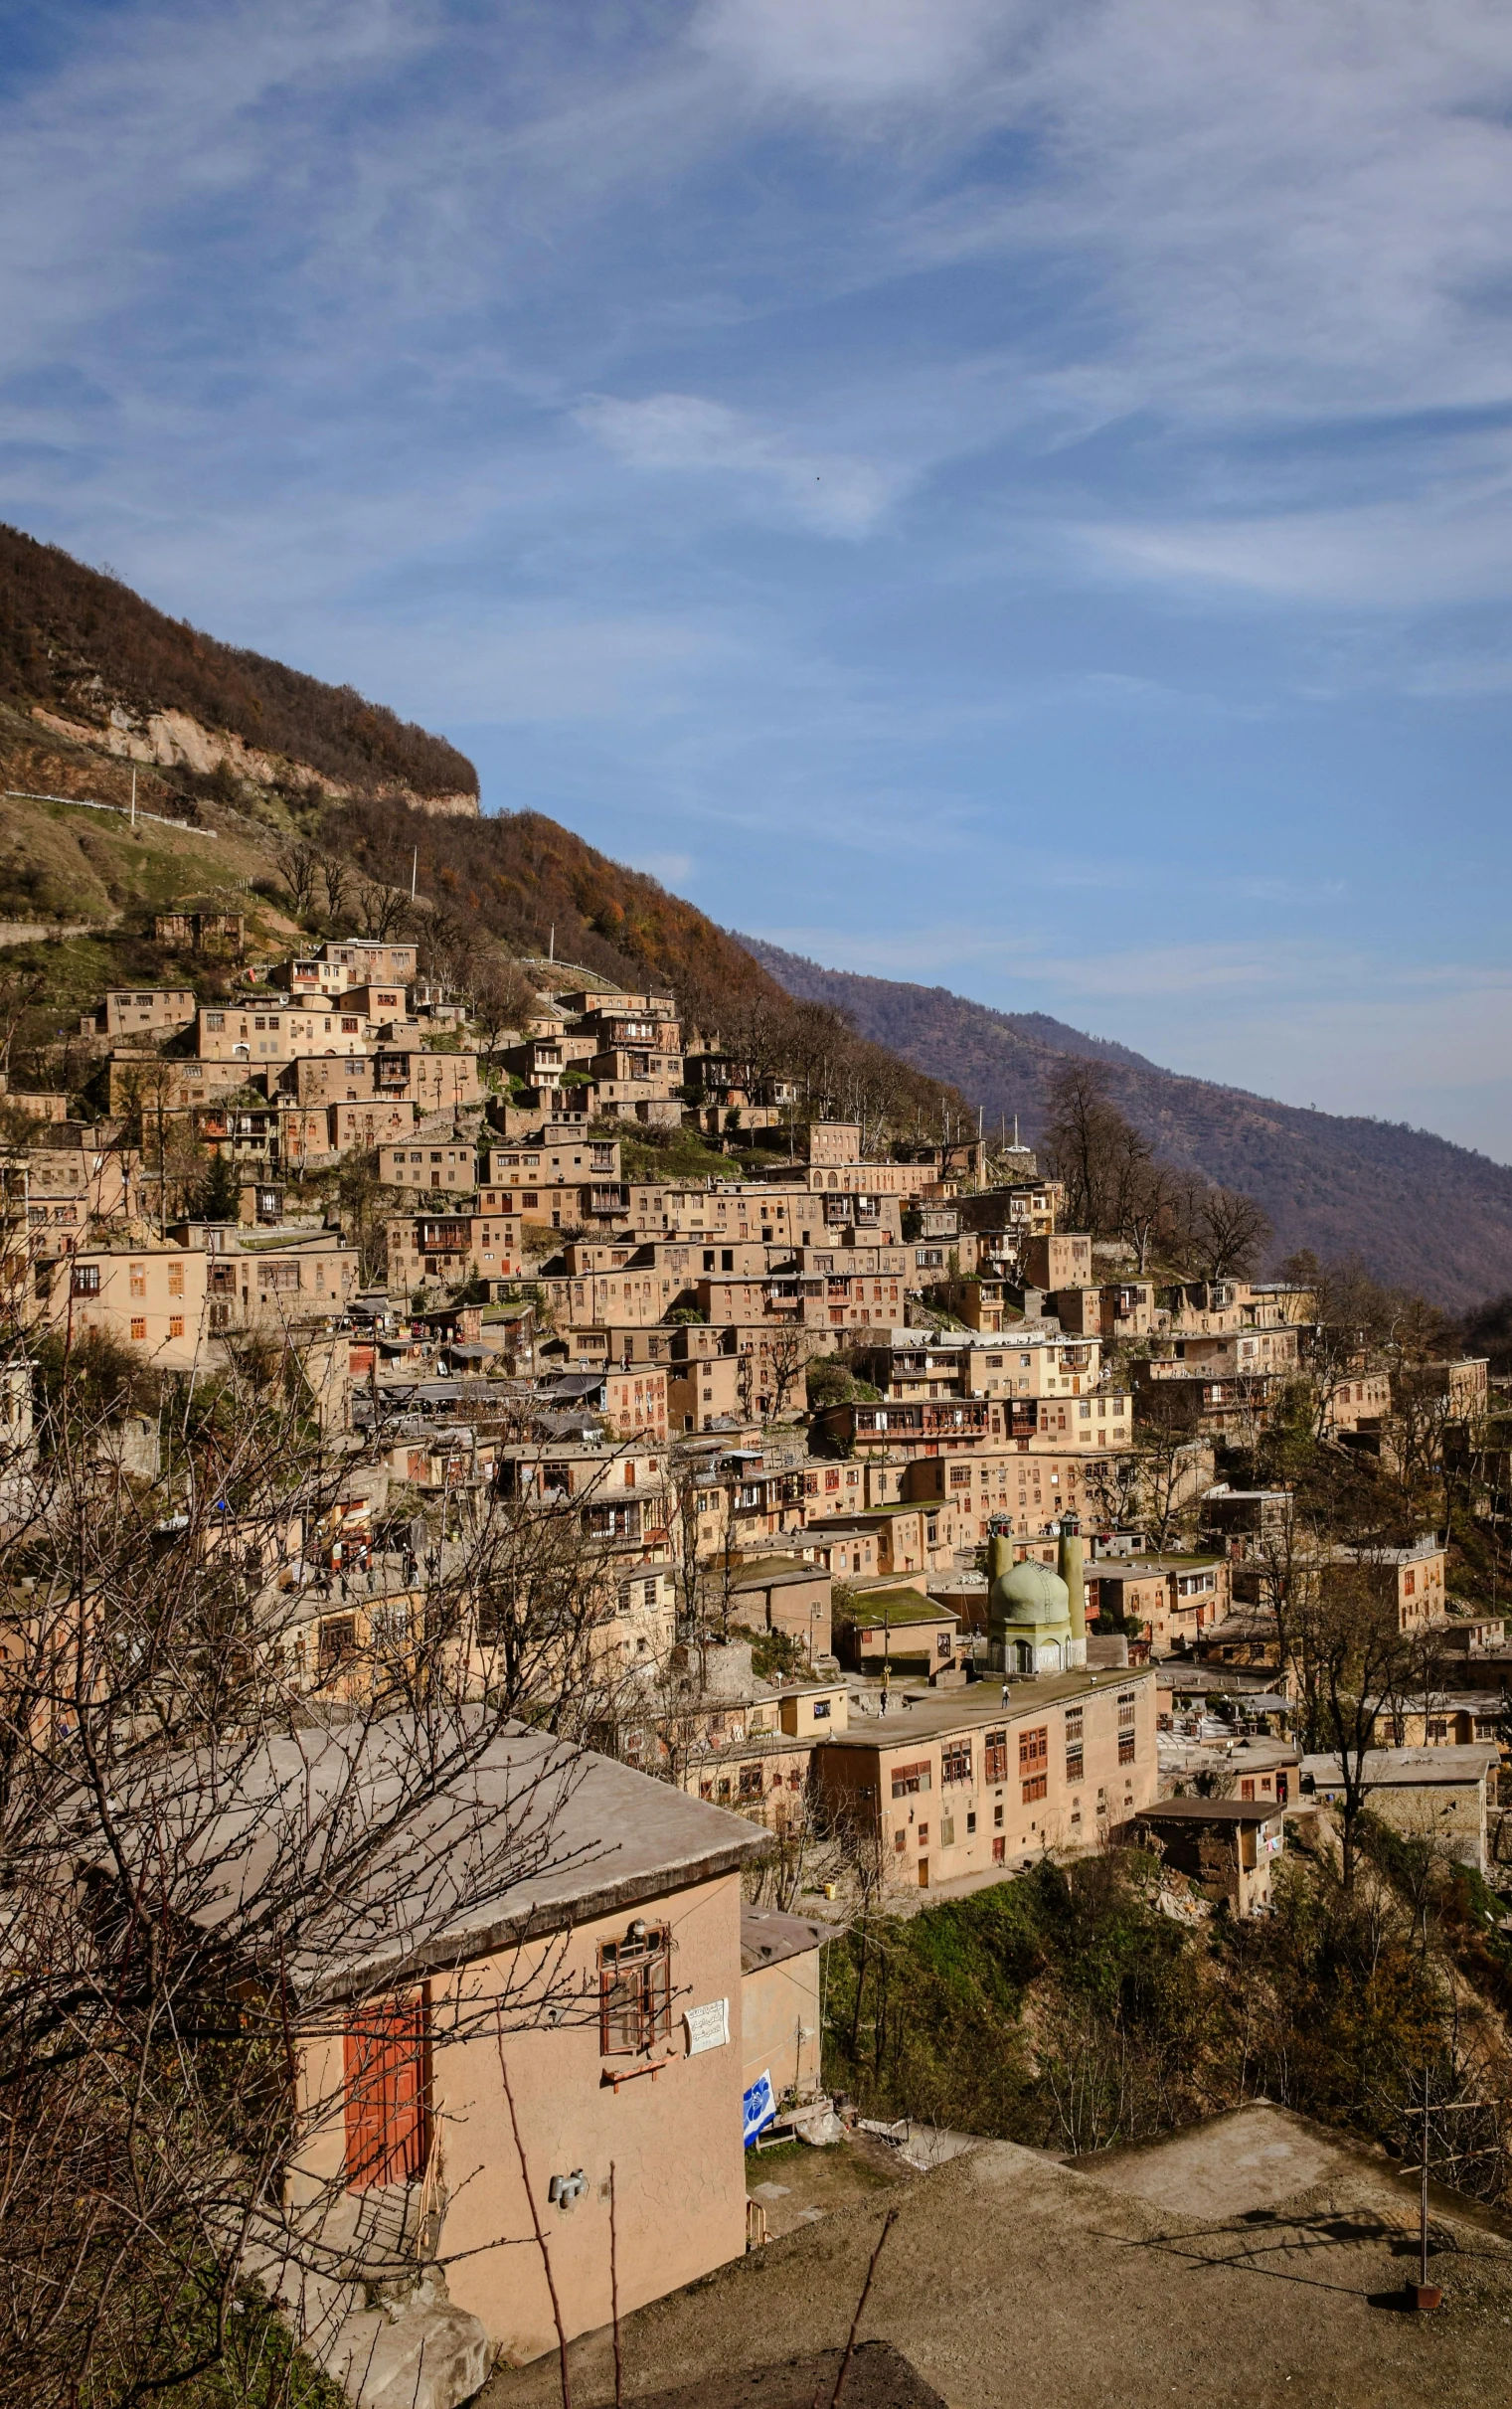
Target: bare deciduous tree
<point>339,879</point>
<point>299,869</point>
<point>381,911</point>
<point>499,997</point>
<point>1226,1233</point>
<point>232,1800</point>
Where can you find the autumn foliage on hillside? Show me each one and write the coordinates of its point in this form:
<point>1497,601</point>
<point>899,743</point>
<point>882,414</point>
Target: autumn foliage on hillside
<point>77,640</point>
<point>519,876</point>
<point>523,881</point>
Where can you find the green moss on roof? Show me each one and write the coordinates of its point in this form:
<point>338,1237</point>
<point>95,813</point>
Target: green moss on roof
<point>897,1606</point>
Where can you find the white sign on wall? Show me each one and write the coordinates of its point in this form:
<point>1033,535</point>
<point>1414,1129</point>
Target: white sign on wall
<point>707,2027</point>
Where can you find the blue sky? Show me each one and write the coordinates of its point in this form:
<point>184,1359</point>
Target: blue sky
<point>1011,494</point>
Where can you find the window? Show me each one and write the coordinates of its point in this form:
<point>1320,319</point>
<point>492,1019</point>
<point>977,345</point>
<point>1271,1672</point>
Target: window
<point>635,1989</point>
<point>175,1325</point>
<point>175,1280</point>
<point>390,1625</point>
<point>138,1279</point>
<point>995,1757</point>
<point>1073,1726</point>
<point>970,1822</point>
<point>1033,1749</point>
<point>1035,1788</point>
<point>1076,1763</point>
<point>338,1640</point>
<point>924,1836</point>
<point>385,2054</point>
<point>1125,1748</point>
<point>85,1279</point>
<point>138,1326</point>
<point>215,1020</point>
<point>908,1780</point>
<point>1125,1710</point>
<point>751,1781</point>
<point>955,1760</point>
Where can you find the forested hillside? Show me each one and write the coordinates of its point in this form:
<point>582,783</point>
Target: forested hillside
<point>1416,1209</point>
<point>82,644</point>
<point>526,879</point>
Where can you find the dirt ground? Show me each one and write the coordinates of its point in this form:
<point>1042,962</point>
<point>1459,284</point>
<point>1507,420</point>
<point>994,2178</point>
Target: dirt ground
<point>1253,2262</point>
<point>797,2185</point>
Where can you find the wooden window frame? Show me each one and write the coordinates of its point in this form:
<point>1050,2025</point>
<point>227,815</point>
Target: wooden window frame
<point>636,1993</point>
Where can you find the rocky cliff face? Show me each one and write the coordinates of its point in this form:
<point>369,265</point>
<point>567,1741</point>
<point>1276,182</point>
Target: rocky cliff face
<point>98,667</point>
<point>171,739</point>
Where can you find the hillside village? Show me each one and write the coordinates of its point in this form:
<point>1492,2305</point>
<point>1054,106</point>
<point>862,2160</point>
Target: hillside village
<point>813,1474</point>
<point>602,1576</point>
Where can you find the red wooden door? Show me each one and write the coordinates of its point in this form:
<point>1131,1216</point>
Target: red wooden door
<point>386,2070</point>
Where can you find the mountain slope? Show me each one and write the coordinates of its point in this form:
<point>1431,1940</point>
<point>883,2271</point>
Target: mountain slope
<point>526,879</point>
<point>96,664</point>
<point>1434,1216</point>
<point>257,786</point>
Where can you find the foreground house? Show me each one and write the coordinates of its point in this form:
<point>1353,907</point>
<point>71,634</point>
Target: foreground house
<point>600,1977</point>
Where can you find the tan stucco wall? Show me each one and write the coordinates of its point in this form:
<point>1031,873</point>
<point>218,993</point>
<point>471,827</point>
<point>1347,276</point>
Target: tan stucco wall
<point>1074,1814</point>
<point>780,2023</point>
<point>674,2139</point>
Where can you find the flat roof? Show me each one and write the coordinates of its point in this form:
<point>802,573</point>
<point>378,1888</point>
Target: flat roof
<point>767,1571</point>
<point>931,1717</point>
<point>1393,1768</point>
<point>1210,1811</point>
<point>768,1937</point>
<point>1134,1566</point>
<point>899,1606</point>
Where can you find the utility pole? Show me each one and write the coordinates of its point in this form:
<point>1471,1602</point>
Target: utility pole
<point>133,794</point>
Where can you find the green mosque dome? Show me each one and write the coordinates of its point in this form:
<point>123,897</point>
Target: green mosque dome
<point>1031,1593</point>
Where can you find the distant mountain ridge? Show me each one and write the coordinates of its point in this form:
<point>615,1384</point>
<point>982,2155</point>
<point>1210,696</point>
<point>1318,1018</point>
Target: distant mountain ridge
<point>1416,1209</point>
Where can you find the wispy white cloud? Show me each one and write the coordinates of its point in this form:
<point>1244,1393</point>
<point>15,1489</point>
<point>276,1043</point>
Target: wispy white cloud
<point>851,55</point>
<point>684,433</point>
<point>1401,555</point>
